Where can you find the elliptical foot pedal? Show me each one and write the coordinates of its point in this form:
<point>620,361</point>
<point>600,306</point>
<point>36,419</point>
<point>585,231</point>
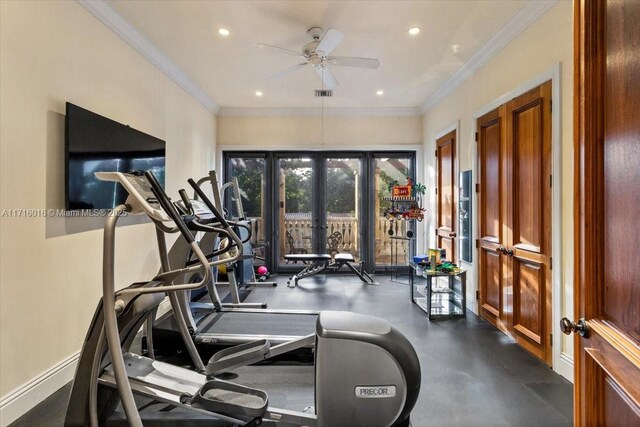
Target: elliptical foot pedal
<point>237,356</point>
<point>231,399</point>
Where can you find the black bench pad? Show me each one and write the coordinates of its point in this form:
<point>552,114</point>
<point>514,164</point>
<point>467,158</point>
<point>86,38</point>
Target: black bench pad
<point>308,257</point>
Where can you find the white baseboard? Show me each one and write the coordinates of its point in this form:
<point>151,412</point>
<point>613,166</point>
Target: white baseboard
<point>564,366</point>
<point>17,402</point>
<point>472,303</point>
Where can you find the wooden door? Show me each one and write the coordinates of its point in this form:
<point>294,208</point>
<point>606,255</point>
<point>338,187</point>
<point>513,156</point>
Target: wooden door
<point>607,228</point>
<point>447,219</point>
<point>514,164</point>
<point>528,220</point>
<point>491,181</point>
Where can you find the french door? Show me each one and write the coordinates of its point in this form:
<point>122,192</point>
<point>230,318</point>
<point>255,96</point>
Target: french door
<point>319,205</point>
<point>321,202</point>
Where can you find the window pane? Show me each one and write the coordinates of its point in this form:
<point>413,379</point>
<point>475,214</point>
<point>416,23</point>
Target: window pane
<point>388,171</point>
<point>343,206</point>
<point>250,173</point>
<point>295,193</point>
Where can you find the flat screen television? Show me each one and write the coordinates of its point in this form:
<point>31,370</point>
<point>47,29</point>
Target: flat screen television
<point>94,143</point>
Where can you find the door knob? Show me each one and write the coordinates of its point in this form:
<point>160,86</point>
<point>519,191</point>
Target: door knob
<point>508,252</point>
<point>567,327</point>
<point>501,250</point>
<point>452,234</point>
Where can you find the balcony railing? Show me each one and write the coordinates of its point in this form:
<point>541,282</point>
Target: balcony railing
<point>342,236</point>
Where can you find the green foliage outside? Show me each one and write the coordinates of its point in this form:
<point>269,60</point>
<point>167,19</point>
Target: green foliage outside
<point>249,173</point>
<point>341,183</point>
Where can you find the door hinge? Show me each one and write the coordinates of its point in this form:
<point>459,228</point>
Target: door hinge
<point>436,190</point>
<point>551,106</point>
<point>477,243</point>
<point>477,294</point>
<point>476,136</point>
<point>477,187</point>
<point>436,153</point>
<point>550,340</point>
<point>551,181</point>
<point>550,263</point>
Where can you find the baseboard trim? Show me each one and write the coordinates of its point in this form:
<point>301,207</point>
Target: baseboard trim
<point>19,401</point>
<point>564,366</point>
<point>472,304</point>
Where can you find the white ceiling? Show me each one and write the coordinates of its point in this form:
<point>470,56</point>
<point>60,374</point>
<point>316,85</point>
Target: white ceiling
<point>230,70</point>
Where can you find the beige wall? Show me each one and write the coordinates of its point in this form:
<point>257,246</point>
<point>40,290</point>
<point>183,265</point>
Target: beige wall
<point>50,280</point>
<point>306,132</point>
<point>545,43</point>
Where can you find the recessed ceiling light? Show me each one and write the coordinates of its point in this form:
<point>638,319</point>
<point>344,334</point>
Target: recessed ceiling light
<point>380,93</point>
<point>414,30</point>
<point>258,93</point>
<point>455,48</point>
<point>223,32</point>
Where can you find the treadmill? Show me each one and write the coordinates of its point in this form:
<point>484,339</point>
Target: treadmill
<point>218,325</point>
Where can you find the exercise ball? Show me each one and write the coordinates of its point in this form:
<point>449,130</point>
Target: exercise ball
<point>262,270</point>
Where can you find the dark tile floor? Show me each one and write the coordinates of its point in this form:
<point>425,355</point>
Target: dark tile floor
<point>472,375</point>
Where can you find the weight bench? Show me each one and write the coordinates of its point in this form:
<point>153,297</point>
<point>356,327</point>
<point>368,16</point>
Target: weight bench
<point>317,263</point>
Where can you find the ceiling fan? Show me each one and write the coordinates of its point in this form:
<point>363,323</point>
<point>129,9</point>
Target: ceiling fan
<point>317,53</point>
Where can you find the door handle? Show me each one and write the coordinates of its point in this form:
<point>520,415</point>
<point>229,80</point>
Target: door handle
<point>567,327</point>
<point>501,249</point>
<point>452,234</point>
<point>508,252</point>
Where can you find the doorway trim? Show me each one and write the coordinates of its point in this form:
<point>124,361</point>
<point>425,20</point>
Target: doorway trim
<point>562,362</point>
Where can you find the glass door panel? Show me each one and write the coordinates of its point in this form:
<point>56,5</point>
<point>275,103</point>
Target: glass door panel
<point>343,189</point>
<point>251,175</point>
<point>388,171</point>
<point>295,207</point>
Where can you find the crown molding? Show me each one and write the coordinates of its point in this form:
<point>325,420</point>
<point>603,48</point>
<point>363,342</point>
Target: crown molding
<point>526,16</point>
<point>109,17</point>
<point>329,112</point>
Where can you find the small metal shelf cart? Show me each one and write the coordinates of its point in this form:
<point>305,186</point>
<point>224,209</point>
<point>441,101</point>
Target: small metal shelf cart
<point>443,297</point>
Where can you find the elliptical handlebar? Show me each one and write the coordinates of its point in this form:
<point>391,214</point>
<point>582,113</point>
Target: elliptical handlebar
<point>219,217</point>
<point>168,207</point>
<point>168,276</point>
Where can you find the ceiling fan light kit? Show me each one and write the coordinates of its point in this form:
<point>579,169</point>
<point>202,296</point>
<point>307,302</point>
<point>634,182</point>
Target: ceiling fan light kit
<point>317,53</point>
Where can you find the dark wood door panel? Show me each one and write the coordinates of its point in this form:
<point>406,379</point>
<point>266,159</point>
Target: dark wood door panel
<point>527,170</point>
<point>528,300</point>
<point>619,409</point>
<point>491,183</point>
<point>529,218</point>
<point>514,156</point>
<point>622,166</point>
<point>448,244</point>
<point>491,283</point>
<point>615,362</point>
<point>606,206</point>
<point>447,195</point>
<point>445,186</point>
<point>490,174</point>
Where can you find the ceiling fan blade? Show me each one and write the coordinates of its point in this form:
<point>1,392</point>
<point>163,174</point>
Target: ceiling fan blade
<point>331,39</point>
<point>289,70</point>
<point>328,79</point>
<point>280,49</point>
<point>346,61</point>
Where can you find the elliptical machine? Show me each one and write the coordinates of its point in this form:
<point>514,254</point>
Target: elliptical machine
<point>379,390</point>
